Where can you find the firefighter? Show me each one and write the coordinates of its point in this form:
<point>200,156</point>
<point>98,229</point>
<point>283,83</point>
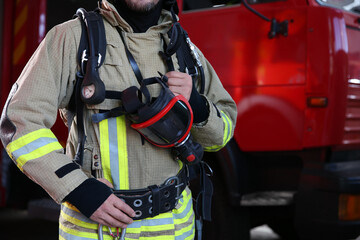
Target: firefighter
<point>115,156</point>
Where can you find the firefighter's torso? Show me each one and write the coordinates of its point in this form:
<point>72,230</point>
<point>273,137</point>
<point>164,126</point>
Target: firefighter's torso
<point>113,149</point>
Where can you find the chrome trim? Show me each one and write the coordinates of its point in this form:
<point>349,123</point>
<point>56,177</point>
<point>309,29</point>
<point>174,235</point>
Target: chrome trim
<point>354,81</point>
<point>345,8</point>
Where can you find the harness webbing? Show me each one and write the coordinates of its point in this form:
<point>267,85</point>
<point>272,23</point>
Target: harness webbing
<point>91,55</point>
<point>131,59</point>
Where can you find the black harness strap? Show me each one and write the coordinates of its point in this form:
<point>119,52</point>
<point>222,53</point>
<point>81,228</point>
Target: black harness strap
<point>180,44</point>
<point>131,59</point>
<point>79,107</point>
<point>93,55</point>
<point>167,57</point>
<point>92,43</point>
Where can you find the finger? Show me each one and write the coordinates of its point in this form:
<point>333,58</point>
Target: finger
<point>186,84</point>
<point>122,206</point>
<point>175,74</point>
<point>176,89</point>
<point>109,214</point>
<point>185,91</point>
<point>111,221</point>
<point>180,82</point>
<point>120,218</point>
<point>106,219</point>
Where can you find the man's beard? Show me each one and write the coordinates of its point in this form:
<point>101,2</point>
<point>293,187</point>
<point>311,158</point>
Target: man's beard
<point>141,7</point>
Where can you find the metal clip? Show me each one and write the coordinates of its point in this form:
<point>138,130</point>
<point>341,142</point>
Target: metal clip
<point>210,172</point>
<point>84,59</point>
<point>117,236</point>
<point>192,74</point>
<point>99,59</point>
<point>175,180</point>
<point>194,53</point>
<point>100,232</point>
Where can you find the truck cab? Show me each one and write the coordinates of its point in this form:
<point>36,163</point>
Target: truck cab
<point>293,69</point>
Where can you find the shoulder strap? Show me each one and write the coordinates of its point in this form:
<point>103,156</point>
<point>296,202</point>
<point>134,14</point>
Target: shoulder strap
<point>92,57</point>
<point>186,53</point>
<point>91,54</point>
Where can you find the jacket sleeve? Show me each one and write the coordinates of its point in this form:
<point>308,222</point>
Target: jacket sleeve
<point>216,131</point>
<point>44,86</point>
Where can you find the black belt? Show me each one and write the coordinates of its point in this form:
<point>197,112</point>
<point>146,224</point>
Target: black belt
<point>153,200</point>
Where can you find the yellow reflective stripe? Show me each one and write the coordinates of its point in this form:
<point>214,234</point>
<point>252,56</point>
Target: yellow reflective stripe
<point>227,134</point>
<point>70,206</point>
<point>185,219</point>
<point>187,216</point>
<point>181,164</point>
<point>158,228</point>
<point>160,222</point>
<point>163,237</point>
<point>38,153</point>
<point>104,149</point>
<point>228,123</point>
<point>113,148</point>
<point>33,145</point>
<point>122,151</point>
<point>80,233</point>
<point>185,199</point>
<point>78,222</point>
<point>28,138</point>
<point>177,224</point>
<point>190,229</point>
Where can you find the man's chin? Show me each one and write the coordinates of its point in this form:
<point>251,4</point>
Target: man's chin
<point>141,7</point>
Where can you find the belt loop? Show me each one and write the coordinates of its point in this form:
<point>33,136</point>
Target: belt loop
<point>155,200</point>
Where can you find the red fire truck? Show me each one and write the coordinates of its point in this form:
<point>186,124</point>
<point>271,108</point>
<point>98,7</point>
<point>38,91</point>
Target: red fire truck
<point>293,68</point>
<point>294,74</point>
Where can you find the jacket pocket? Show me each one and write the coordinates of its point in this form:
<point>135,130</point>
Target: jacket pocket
<point>112,55</point>
<point>87,159</point>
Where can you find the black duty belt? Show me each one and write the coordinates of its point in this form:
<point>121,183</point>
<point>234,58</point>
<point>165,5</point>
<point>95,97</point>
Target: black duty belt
<point>153,200</point>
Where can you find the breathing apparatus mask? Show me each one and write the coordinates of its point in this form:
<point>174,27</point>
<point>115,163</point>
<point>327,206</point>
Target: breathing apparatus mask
<point>164,121</point>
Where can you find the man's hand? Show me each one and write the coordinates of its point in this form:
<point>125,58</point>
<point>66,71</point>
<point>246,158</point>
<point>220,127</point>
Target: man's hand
<point>180,83</point>
<point>113,212</point>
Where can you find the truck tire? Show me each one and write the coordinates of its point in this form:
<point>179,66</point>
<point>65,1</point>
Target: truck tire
<point>228,222</point>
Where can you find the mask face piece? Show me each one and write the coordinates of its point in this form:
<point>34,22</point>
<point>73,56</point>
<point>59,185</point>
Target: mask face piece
<point>169,127</point>
<point>164,121</point>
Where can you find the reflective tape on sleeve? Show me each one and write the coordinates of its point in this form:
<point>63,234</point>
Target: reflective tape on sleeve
<point>227,134</point>
<point>33,145</point>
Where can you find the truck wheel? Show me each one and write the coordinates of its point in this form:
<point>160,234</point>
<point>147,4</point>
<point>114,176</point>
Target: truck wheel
<point>228,222</point>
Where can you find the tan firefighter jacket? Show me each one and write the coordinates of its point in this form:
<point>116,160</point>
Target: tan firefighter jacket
<point>46,85</point>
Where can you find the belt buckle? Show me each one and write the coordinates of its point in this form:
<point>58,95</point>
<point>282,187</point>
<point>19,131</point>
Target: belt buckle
<point>175,180</point>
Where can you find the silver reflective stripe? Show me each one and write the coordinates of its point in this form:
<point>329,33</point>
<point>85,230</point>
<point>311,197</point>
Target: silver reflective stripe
<point>74,226</point>
<point>185,234</point>
<point>114,152</point>
<point>67,236</point>
<point>113,148</point>
<point>75,214</point>
<point>32,146</point>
